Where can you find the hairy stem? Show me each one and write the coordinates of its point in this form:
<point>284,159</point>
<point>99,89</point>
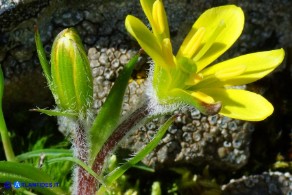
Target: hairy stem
<point>137,116</point>
<point>84,183</point>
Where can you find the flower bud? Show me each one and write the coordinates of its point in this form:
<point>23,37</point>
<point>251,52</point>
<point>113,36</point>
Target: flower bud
<point>70,72</point>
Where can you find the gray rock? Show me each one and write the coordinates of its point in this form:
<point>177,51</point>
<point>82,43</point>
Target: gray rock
<point>196,139</point>
<point>268,183</point>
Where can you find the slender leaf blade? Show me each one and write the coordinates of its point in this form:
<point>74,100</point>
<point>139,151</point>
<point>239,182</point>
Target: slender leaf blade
<point>55,112</point>
<point>46,152</point>
<point>13,171</point>
<point>79,162</point>
<point>5,138</point>
<point>42,56</point>
<point>110,112</point>
<point>1,84</point>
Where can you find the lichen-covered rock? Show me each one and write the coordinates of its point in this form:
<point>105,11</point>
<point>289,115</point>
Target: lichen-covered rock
<point>268,183</point>
<point>106,63</point>
<point>196,139</point>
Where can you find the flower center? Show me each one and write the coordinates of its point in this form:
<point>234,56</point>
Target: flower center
<point>194,79</point>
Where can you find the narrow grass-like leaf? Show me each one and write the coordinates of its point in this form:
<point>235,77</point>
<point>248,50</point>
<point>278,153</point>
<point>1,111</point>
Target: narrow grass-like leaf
<point>55,112</point>
<point>110,112</point>
<point>144,168</point>
<point>46,152</point>
<point>9,154</point>
<point>115,174</point>
<point>80,163</point>
<point>42,56</point>
<point>1,84</point>
<point>13,171</point>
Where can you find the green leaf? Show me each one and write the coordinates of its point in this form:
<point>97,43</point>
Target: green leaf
<point>80,163</point>
<point>46,152</point>
<point>1,84</point>
<point>13,171</point>
<point>42,56</point>
<point>144,168</point>
<point>110,112</point>
<point>115,174</point>
<point>5,138</point>
<point>55,112</point>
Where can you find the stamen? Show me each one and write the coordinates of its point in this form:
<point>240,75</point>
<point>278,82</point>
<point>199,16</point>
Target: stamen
<point>210,41</point>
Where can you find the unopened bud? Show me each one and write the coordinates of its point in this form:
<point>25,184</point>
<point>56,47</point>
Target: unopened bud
<point>70,72</point>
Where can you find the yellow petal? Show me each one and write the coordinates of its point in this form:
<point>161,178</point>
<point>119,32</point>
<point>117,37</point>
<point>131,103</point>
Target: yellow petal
<point>233,19</point>
<point>204,103</point>
<point>256,65</point>
<point>146,39</point>
<point>211,41</point>
<point>167,52</point>
<point>219,77</point>
<point>202,97</point>
<point>147,6</point>
<point>230,72</point>
<point>241,104</point>
<point>155,12</point>
<point>191,43</point>
<point>160,28</point>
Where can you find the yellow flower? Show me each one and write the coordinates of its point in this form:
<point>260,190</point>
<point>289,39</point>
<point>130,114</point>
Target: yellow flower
<point>187,77</point>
